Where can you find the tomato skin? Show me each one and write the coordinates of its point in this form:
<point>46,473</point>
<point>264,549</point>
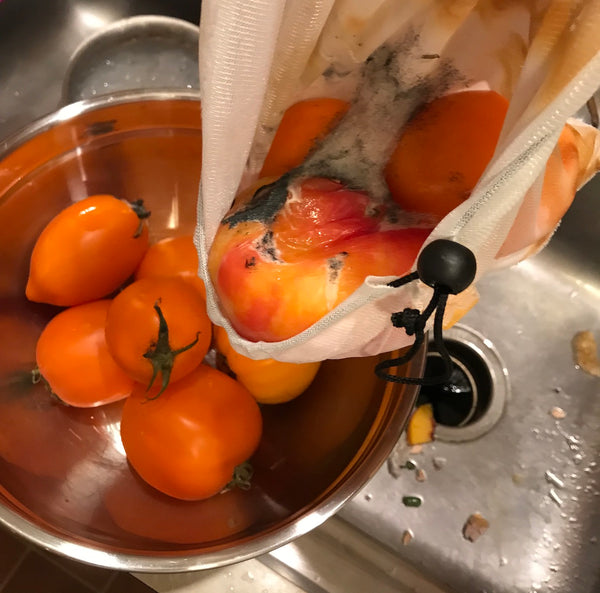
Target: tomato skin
<point>444,150</point>
<point>73,357</point>
<point>187,441</point>
<point>303,125</point>
<point>86,252</point>
<point>173,256</point>
<point>132,325</point>
<point>269,381</point>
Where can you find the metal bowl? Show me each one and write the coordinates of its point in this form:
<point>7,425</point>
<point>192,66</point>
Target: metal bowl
<point>64,480</point>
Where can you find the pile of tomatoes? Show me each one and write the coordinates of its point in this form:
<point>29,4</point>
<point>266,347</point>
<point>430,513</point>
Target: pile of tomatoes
<point>133,326</point>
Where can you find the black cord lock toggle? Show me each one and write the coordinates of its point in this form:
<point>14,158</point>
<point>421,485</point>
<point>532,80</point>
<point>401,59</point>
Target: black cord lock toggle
<point>449,268</point>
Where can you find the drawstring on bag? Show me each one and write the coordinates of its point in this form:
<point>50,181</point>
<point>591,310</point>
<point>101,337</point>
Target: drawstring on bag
<point>448,267</point>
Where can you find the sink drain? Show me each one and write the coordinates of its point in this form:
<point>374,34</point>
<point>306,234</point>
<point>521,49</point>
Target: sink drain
<point>471,402</point>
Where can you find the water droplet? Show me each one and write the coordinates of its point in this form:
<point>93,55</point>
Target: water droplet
<point>94,91</point>
<point>105,85</point>
<point>577,458</point>
<point>572,519</point>
<point>107,62</point>
<point>556,546</point>
<point>188,86</point>
<point>555,497</point>
<point>553,568</point>
<point>593,539</point>
<point>368,497</point>
<point>17,93</point>
<point>553,479</point>
<point>249,577</point>
<point>503,561</point>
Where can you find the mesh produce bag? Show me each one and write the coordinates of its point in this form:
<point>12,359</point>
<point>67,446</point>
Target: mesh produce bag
<point>389,58</point>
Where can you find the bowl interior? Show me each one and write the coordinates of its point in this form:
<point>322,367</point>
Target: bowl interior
<point>64,479</point>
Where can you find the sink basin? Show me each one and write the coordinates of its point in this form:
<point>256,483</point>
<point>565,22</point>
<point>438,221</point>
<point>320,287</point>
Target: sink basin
<point>535,478</point>
<point>36,52</point>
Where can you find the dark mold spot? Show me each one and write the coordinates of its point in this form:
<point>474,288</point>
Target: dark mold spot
<point>335,265</point>
<point>266,247</point>
<point>264,205</point>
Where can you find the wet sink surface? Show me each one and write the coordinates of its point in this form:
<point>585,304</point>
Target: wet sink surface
<point>537,540</point>
<point>36,51</point>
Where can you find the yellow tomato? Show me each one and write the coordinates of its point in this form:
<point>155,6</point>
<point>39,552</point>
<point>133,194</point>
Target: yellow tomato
<point>269,381</point>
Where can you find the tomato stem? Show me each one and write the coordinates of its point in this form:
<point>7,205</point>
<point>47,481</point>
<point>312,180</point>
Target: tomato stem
<point>37,377</point>
<point>142,213</point>
<point>161,355</point>
<point>242,476</point>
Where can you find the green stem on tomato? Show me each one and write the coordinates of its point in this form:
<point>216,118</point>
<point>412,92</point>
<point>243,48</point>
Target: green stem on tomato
<point>242,476</point>
<point>161,355</point>
<point>142,213</point>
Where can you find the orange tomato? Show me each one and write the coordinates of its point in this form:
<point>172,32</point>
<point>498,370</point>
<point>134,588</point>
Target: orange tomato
<point>173,256</point>
<point>158,326</point>
<point>302,126</point>
<point>444,150</point>
<point>87,251</point>
<point>188,441</point>
<point>269,381</point>
<point>73,358</point>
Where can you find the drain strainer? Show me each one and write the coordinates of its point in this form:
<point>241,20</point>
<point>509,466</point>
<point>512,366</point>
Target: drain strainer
<point>471,402</point>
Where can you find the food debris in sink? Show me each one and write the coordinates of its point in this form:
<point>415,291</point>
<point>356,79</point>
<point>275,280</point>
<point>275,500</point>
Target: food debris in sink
<point>585,352</point>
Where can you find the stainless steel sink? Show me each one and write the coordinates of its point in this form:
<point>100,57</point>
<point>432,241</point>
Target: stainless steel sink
<point>535,478</point>
<point>37,39</point>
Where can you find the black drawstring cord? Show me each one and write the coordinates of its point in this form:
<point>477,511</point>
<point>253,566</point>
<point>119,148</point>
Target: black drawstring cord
<point>447,267</point>
<point>414,324</point>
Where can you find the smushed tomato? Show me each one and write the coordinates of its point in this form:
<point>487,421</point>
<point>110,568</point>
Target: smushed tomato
<point>173,256</point>
<point>87,251</point>
<point>158,328</point>
<point>72,356</point>
<point>188,441</point>
<point>269,381</point>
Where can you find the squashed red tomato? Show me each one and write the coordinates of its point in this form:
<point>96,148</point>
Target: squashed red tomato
<point>87,251</point>
<point>188,441</point>
<point>73,358</point>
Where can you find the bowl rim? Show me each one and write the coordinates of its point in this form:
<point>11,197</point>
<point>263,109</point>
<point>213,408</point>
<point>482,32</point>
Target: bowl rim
<point>67,112</point>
